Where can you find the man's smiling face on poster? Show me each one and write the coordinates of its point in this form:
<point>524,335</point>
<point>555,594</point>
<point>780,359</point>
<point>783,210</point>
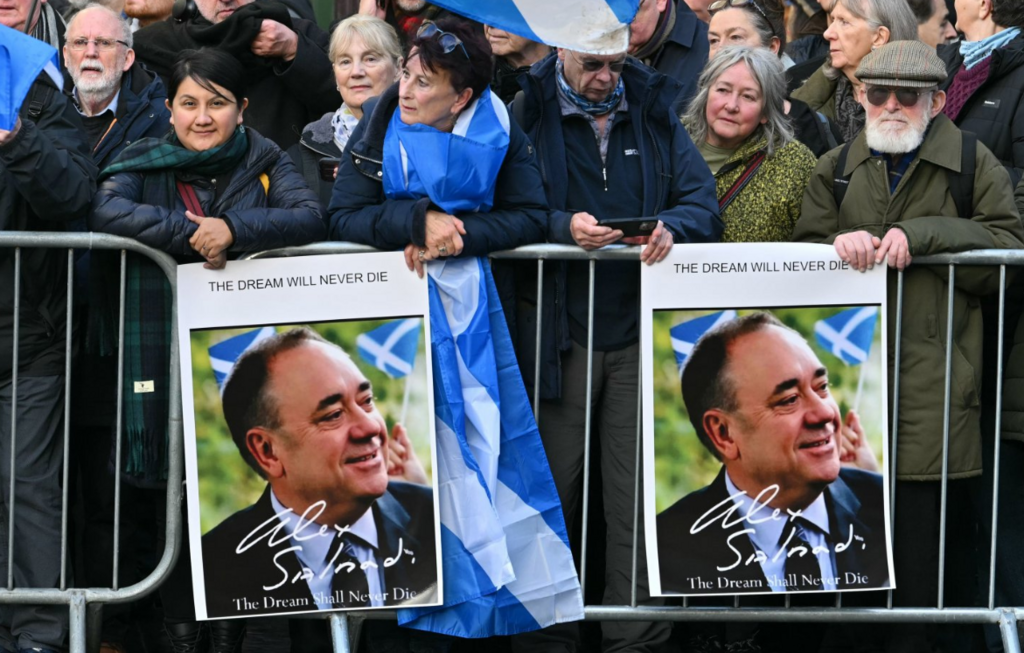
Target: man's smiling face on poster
<point>784,425</point>
<point>330,441</point>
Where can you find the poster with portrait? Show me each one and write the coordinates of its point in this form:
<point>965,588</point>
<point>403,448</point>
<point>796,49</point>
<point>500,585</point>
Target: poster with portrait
<point>309,436</point>
<point>765,422</point>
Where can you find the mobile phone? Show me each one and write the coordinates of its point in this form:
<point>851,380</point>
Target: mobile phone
<point>327,167</point>
<point>631,227</point>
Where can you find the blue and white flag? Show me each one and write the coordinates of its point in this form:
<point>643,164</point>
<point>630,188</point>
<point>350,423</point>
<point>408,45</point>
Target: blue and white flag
<point>224,354</point>
<point>506,559</point>
<point>22,58</point>
<point>391,348</point>
<point>848,334</point>
<point>596,26</point>
<point>686,334</point>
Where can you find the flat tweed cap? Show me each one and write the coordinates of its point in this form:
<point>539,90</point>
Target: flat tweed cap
<point>906,64</point>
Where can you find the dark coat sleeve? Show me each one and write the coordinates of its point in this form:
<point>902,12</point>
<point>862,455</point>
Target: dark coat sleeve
<point>292,216</point>
<point>49,163</point>
<point>309,77</point>
<point>692,209</point>
<point>118,209</point>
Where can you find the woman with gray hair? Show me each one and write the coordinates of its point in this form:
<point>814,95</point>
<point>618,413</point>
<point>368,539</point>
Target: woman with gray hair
<point>858,27</point>
<point>738,122</point>
<point>366,54</point>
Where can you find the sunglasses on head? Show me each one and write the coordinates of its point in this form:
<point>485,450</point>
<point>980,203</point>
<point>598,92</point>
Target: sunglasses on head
<point>718,5</point>
<point>593,65</point>
<point>446,40</point>
<point>908,97</point>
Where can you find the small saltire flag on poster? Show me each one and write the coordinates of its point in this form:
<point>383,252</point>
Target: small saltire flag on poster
<point>391,348</point>
<point>848,334</point>
<point>686,334</point>
<point>224,354</point>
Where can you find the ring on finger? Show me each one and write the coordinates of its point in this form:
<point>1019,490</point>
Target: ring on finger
<point>422,254</point>
<point>443,250</point>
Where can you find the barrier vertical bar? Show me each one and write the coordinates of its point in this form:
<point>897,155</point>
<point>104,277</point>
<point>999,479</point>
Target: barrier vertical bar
<point>895,418</point>
<point>586,428</point>
<point>14,415</point>
<point>998,440</point>
<point>1008,630</point>
<point>339,632</point>
<point>536,355</point>
<point>67,421</point>
<point>945,437</point>
<point>119,420</point>
<point>76,624</point>
<point>636,477</point>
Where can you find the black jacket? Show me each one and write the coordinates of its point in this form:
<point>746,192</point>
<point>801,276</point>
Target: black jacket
<point>995,112</point>
<point>678,189</point>
<point>141,113</point>
<point>856,509</point>
<point>287,95</point>
<point>316,143</point>
<point>286,213</point>
<point>360,213</point>
<point>683,54</point>
<point>404,516</point>
<point>47,180</point>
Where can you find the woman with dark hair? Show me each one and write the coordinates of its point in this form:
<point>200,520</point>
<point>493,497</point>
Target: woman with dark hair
<point>436,167</point>
<point>761,24</point>
<point>985,87</point>
<point>211,188</point>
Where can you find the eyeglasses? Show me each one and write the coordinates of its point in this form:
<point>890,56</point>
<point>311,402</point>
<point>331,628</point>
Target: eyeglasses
<point>106,45</point>
<point>595,65</point>
<point>908,97</point>
<point>718,5</point>
<point>446,40</point>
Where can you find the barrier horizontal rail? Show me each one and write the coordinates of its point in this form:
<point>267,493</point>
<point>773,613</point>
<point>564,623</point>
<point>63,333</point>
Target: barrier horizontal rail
<point>77,598</point>
<point>1005,617</point>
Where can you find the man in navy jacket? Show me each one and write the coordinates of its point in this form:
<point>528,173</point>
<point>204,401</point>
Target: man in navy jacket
<point>609,147</point>
<point>668,36</point>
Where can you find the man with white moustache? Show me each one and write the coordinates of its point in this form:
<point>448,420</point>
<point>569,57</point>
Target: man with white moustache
<point>120,101</point>
<point>912,184</point>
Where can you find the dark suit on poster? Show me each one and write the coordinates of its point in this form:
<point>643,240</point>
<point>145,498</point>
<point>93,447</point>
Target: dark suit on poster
<point>855,498</point>
<point>405,512</point>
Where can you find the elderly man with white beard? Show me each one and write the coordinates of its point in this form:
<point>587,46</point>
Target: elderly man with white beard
<point>912,184</point>
<point>120,101</point>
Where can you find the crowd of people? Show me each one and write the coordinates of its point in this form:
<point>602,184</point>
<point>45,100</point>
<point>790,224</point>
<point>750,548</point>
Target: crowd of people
<point>891,129</point>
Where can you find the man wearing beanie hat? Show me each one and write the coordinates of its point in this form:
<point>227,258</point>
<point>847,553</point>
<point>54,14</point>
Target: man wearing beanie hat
<point>912,184</point>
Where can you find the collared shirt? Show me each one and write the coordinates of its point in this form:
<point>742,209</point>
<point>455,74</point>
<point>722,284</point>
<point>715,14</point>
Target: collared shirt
<point>768,534</point>
<point>112,107</point>
<point>313,554</point>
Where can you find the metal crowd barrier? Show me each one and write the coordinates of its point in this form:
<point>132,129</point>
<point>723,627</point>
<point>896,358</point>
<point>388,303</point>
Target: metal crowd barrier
<point>79,600</point>
<point>1005,617</point>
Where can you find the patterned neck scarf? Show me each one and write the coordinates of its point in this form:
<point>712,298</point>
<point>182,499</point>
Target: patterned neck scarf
<point>974,52</point>
<point>601,108</point>
<point>344,123</point>
<point>849,113</point>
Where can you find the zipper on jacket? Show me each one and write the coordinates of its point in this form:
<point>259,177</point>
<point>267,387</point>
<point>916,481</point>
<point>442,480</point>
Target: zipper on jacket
<point>604,175</point>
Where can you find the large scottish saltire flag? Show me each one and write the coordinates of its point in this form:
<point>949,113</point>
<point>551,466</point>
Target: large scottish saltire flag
<point>597,26</point>
<point>224,354</point>
<point>686,334</point>
<point>506,559</point>
<point>848,334</point>
<point>391,348</point>
<point>22,58</point>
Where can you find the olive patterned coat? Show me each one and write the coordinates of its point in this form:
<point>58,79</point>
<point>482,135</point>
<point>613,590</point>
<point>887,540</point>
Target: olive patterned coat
<point>767,208</point>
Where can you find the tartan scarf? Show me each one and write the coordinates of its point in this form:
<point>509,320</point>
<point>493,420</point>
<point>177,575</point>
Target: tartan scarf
<point>148,301</point>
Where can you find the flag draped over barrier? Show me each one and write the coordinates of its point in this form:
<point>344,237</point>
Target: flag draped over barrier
<point>686,334</point>
<point>848,334</point>
<point>597,26</point>
<point>22,58</point>
<point>506,559</point>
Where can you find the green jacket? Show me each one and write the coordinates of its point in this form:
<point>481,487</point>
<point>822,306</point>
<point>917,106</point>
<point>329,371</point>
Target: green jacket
<point>819,93</point>
<point>924,209</point>
<point>769,205</point>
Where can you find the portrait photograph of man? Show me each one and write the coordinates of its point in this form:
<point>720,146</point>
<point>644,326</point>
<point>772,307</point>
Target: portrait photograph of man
<point>315,467</point>
<point>769,451</point>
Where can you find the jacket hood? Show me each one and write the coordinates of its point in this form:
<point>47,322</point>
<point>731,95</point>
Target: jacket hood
<point>379,110</point>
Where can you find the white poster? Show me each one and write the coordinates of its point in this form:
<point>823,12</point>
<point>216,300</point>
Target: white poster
<point>765,422</point>
<point>309,435</point>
